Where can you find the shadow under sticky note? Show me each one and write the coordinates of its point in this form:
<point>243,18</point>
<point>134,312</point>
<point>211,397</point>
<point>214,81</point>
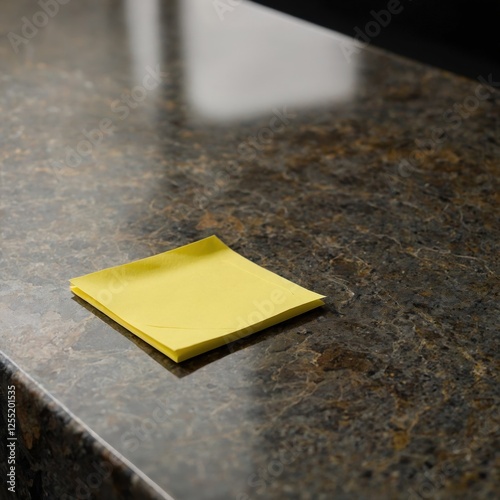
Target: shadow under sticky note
<point>195,298</point>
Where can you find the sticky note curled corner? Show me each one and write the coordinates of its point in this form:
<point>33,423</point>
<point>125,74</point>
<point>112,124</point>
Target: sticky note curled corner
<point>195,298</point>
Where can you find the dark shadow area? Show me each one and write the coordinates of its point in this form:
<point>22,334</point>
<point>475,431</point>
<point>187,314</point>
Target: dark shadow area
<point>457,36</point>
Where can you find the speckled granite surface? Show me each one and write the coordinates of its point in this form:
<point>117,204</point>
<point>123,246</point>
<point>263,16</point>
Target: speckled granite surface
<point>389,391</point>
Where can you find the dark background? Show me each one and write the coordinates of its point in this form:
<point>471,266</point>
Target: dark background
<point>460,36</point>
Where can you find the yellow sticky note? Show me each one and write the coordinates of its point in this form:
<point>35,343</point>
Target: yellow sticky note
<point>195,298</point>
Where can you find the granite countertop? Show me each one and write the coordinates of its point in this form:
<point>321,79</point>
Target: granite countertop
<point>131,128</point>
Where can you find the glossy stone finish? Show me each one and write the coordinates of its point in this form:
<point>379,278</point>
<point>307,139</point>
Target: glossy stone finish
<point>55,456</point>
<point>389,391</point>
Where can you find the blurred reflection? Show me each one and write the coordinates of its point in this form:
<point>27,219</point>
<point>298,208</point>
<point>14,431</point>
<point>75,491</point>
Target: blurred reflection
<point>253,60</point>
<point>143,23</point>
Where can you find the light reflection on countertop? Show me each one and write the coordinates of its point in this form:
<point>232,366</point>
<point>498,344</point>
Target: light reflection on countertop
<point>255,59</point>
<point>144,28</point>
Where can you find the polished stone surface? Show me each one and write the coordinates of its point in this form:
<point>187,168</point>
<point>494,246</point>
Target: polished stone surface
<point>362,176</point>
<point>54,455</point>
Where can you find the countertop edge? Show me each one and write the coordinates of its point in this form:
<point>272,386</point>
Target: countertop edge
<point>56,453</point>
